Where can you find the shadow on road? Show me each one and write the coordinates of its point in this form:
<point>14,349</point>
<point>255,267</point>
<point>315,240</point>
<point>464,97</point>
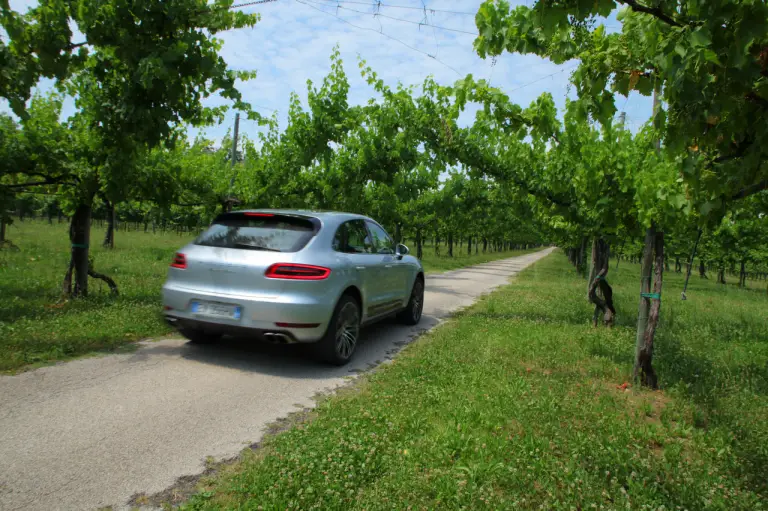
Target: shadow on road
<point>378,343</point>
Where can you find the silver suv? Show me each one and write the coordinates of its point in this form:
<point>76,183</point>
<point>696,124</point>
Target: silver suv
<point>292,276</point>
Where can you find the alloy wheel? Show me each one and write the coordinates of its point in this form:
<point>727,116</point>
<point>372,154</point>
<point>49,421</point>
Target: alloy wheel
<point>417,301</point>
<point>347,330</point>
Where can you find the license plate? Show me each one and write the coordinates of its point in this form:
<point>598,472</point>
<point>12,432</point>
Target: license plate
<point>215,310</point>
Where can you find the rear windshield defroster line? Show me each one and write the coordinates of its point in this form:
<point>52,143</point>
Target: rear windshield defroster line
<point>259,232</point>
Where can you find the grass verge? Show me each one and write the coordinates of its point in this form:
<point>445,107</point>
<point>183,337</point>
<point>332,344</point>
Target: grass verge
<point>37,328</point>
<point>518,403</point>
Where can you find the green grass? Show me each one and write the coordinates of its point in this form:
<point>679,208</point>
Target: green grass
<point>37,328</point>
<point>518,403</point>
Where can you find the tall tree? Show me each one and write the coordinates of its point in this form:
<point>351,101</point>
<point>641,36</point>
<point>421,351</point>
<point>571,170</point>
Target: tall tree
<point>142,70</point>
<point>708,62</point>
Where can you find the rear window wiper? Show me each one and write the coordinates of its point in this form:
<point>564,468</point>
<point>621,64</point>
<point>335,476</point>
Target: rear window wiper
<point>256,247</point>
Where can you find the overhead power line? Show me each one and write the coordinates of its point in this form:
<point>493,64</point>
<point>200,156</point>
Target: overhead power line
<point>544,77</point>
<point>248,4</point>
<point>420,23</point>
<point>381,33</point>
<point>336,4</point>
<point>395,6</point>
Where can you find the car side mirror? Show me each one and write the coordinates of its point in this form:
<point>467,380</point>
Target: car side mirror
<point>401,250</point>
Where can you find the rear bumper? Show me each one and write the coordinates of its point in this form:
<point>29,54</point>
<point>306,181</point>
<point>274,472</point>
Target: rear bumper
<point>276,335</point>
<point>261,316</point>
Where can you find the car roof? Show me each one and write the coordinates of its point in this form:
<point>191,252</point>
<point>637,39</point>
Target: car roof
<point>323,215</point>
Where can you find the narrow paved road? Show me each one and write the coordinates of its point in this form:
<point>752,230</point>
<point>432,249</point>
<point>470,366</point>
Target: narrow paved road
<point>93,432</point>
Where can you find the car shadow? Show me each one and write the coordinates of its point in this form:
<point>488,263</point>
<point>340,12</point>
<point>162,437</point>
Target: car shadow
<point>378,342</point>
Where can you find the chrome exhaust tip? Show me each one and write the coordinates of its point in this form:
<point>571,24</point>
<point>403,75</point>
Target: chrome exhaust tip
<point>278,338</point>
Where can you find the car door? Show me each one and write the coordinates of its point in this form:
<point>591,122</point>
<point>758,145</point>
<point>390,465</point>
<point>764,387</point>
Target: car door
<point>353,240</point>
<point>391,272</point>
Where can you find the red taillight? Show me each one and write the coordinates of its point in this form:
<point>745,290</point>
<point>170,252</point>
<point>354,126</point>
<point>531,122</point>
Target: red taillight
<point>248,213</point>
<point>298,325</point>
<point>297,272</point>
<point>179,261</point>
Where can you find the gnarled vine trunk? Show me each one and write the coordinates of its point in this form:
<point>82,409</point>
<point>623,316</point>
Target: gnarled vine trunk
<point>599,291</point>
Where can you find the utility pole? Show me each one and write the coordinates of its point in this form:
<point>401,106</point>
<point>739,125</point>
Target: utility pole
<point>233,158</point>
<point>234,142</point>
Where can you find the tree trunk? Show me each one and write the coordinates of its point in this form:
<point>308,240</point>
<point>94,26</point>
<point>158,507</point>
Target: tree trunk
<point>437,244</point>
<point>485,245</point>
<point>581,256</point>
<point>702,269</point>
<point>419,253</point>
<point>621,252</point>
<point>469,245</point>
<point>689,265</point>
<point>398,233</point>
<point>650,305</point>
<point>450,244</point>
<point>109,236</point>
<point>593,265</point>
<point>477,246</point>
<point>678,266</point>
<point>721,275</point>
<point>743,274</point>
<point>2,230</point>
<point>80,236</point>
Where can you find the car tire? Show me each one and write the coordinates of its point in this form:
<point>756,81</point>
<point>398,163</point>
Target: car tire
<point>340,341</point>
<point>411,315</point>
<point>200,337</point>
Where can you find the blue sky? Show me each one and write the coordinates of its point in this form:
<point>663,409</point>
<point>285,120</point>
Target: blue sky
<point>294,40</point>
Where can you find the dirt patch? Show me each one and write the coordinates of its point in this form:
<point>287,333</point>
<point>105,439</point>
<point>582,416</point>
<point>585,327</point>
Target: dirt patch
<point>646,403</point>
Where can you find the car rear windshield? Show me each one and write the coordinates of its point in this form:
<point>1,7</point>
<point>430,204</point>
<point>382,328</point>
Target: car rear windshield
<point>258,231</point>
